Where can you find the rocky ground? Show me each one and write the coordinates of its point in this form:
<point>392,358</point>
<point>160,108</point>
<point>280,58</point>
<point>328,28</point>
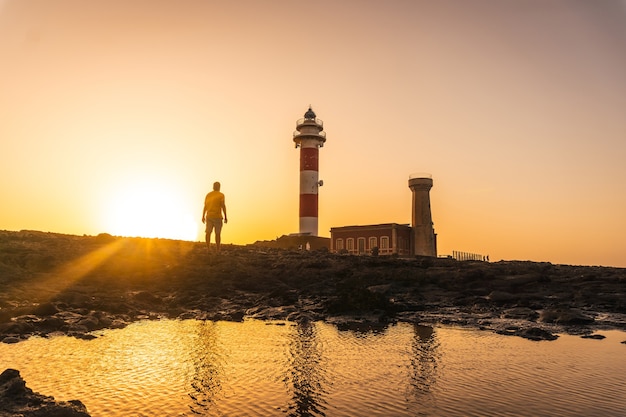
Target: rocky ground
<point>63,284</point>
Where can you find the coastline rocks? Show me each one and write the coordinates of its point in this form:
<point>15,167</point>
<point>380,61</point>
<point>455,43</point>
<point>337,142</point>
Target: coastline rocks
<point>149,279</point>
<point>16,399</point>
<point>520,313</point>
<point>565,316</point>
<point>531,333</point>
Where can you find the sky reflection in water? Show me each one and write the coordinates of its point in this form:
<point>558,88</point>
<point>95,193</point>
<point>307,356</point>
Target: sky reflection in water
<point>184,368</point>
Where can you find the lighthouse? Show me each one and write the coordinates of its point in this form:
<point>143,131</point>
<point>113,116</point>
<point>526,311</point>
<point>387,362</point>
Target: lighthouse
<point>309,137</point>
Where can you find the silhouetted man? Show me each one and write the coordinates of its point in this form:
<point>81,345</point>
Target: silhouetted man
<point>214,205</point>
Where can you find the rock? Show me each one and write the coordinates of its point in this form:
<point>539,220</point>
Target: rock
<point>271,313</point>
<point>564,316</point>
<point>523,313</point>
<point>11,340</point>
<point>531,333</point>
<point>27,318</point>
<point>104,238</point>
<point>235,316</point>
<point>69,316</point>
<point>508,331</point>
<point>189,315</point>
<point>16,399</point>
<point>147,297</point>
<point>379,289</point>
<point>118,324</point>
<point>302,317</point>
<point>90,322</point>
<point>85,336</point>
<point>51,323</point>
<point>501,297</point>
<point>16,328</point>
<point>105,321</point>
<point>593,336</point>
<point>46,309</point>
<point>536,333</point>
<point>77,328</point>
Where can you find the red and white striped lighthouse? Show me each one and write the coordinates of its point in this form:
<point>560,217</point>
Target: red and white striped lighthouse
<point>309,137</point>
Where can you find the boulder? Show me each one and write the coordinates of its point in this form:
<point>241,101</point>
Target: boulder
<point>16,399</point>
<point>499,297</point>
<point>9,340</point>
<point>536,334</point>
<point>530,333</point>
<point>90,322</point>
<point>594,336</point>
<point>564,316</point>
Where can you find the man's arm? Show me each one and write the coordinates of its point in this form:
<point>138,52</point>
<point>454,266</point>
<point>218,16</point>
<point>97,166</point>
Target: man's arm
<point>224,210</point>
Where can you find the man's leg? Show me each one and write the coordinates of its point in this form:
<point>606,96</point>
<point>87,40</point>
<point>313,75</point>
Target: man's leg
<point>209,230</point>
<point>218,234</point>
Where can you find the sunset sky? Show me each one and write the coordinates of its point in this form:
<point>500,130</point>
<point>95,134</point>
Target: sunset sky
<point>118,115</point>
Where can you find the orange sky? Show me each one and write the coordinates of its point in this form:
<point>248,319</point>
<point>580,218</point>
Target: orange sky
<point>117,116</point>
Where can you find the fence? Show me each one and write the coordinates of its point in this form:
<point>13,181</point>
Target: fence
<point>466,256</point>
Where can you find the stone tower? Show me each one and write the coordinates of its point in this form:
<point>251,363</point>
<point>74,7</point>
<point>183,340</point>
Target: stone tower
<point>424,237</point>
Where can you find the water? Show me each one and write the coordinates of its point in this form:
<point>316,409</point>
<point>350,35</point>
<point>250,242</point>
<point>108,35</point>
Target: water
<point>190,368</point>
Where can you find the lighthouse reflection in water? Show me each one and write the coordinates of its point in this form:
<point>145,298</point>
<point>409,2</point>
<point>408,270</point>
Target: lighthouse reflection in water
<point>255,368</point>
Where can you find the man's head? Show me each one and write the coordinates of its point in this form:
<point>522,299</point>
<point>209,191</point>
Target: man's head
<point>216,186</point>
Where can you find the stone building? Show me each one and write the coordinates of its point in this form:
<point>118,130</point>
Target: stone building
<point>385,239</point>
<point>393,238</point>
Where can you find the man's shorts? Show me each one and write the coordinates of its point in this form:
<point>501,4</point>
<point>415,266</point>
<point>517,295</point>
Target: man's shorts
<point>213,223</point>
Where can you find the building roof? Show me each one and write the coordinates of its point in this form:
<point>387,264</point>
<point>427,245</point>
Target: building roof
<point>370,227</point>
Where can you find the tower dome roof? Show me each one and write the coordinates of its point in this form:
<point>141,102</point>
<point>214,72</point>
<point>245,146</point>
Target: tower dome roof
<point>310,114</point>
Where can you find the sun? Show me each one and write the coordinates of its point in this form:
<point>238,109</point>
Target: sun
<point>147,209</point>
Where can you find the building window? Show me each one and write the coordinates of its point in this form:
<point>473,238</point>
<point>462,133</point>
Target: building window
<point>384,244</point>
<point>373,242</point>
<point>350,244</point>
<point>361,243</point>
<point>339,244</point>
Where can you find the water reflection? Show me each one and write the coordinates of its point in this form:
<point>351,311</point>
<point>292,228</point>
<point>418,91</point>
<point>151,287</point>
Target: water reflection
<point>425,360</point>
<point>307,372</point>
<point>207,359</point>
<point>186,368</point>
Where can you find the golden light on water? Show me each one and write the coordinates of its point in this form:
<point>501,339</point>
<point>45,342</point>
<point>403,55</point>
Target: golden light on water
<point>267,369</point>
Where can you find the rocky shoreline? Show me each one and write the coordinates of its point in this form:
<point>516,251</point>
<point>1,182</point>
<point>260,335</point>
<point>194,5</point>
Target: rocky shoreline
<point>16,399</point>
<point>54,284</point>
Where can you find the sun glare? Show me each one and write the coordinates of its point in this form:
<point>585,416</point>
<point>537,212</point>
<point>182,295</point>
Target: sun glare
<point>149,210</point>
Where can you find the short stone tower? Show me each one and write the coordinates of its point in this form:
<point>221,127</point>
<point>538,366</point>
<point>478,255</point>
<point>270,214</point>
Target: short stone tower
<point>424,237</point>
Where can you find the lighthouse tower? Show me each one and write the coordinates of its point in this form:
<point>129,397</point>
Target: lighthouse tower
<point>309,137</point>
<point>424,237</point>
